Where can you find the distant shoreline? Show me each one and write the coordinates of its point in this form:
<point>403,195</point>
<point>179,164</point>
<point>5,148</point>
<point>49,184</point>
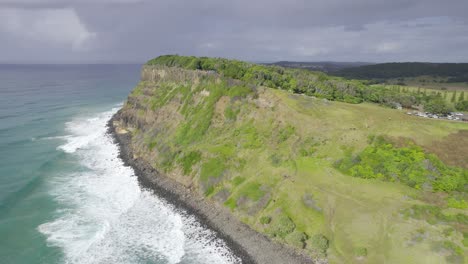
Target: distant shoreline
<point>247,244</point>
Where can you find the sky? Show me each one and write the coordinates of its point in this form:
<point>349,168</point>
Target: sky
<point>118,31</point>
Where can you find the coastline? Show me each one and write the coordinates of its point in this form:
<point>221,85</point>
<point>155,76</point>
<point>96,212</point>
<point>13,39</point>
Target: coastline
<point>247,244</point>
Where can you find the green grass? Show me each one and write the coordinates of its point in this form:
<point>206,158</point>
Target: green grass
<point>212,168</point>
<point>252,190</point>
<point>230,113</point>
<point>189,160</point>
<point>285,133</point>
<point>238,180</point>
<point>231,203</point>
<point>265,220</point>
<point>276,155</point>
<point>239,91</point>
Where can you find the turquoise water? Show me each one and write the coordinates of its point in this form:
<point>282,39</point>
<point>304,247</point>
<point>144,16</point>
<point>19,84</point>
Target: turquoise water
<point>65,196</point>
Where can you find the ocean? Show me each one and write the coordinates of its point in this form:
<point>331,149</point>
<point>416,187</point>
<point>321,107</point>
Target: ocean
<point>65,196</point>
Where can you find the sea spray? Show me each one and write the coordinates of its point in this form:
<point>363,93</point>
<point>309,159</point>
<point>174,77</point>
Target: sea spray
<point>105,217</point>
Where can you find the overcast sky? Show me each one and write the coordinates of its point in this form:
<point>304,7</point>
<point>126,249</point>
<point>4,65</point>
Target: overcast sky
<point>91,31</point>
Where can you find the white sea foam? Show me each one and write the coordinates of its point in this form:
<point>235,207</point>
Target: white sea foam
<point>56,137</point>
<point>107,218</point>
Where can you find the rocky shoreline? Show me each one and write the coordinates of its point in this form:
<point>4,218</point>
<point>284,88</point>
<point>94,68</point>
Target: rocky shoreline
<point>247,244</point>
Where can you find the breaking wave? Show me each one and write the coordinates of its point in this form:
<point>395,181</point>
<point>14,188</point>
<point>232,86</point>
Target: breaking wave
<point>106,217</point>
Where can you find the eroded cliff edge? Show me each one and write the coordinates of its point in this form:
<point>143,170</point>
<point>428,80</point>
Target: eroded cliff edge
<point>177,188</point>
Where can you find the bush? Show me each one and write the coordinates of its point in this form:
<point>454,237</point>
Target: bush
<point>189,160</point>
<point>239,91</point>
<point>265,220</point>
<point>231,114</point>
<point>296,239</point>
<point>360,252</point>
<point>238,180</point>
<point>409,165</point>
<point>459,204</point>
<point>318,244</point>
<point>462,106</point>
<point>231,203</point>
<point>281,226</point>
<point>275,159</point>
<point>285,133</point>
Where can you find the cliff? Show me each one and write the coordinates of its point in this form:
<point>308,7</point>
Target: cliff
<point>268,158</point>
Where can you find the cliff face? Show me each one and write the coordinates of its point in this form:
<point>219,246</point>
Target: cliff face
<point>268,156</point>
<point>171,110</point>
<point>206,132</point>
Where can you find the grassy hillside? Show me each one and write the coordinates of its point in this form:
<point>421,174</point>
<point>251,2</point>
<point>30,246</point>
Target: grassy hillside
<point>312,83</point>
<point>275,158</point>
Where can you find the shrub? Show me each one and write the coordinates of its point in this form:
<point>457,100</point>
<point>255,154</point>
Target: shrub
<point>281,226</point>
<point>462,106</point>
<point>360,252</point>
<point>231,203</point>
<point>188,160</point>
<point>318,244</point>
<point>409,165</point>
<point>275,159</point>
<point>239,91</point>
<point>285,133</point>
<point>296,239</point>
<point>238,180</point>
<point>231,114</point>
<point>265,220</point>
<point>249,136</point>
<point>454,203</point>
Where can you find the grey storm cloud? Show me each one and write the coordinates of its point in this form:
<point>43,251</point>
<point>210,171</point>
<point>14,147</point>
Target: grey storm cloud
<point>255,30</point>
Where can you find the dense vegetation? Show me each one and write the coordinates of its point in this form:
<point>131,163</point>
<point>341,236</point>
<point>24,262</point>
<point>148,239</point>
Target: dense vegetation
<point>409,165</point>
<point>309,83</point>
<point>457,72</point>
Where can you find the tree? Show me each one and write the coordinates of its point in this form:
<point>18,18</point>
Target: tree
<point>437,105</point>
<point>454,96</point>
<point>462,106</point>
<point>462,96</point>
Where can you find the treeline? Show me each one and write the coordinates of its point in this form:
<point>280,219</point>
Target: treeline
<point>306,82</point>
<point>324,66</point>
<point>456,72</point>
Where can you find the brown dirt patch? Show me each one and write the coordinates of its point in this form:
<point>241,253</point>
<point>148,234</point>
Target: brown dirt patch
<point>453,149</point>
